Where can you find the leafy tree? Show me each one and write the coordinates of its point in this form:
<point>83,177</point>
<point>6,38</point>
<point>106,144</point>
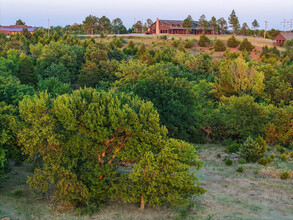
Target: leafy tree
<point>118,26</point>
<point>289,48</point>
<point>233,21</point>
<point>279,128</point>
<point>54,86</point>
<point>19,22</point>
<point>27,74</point>
<point>214,24</point>
<point>162,178</point>
<point>83,138</point>
<point>246,45</point>
<point>223,26</point>
<point>11,91</point>
<point>138,27</point>
<point>244,117</point>
<point>8,141</point>
<point>104,24</point>
<point>203,23</point>
<point>255,25</point>
<point>187,23</point>
<point>90,24</point>
<point>238,77</point>
<point>149,22</point>
<point>244,29</point>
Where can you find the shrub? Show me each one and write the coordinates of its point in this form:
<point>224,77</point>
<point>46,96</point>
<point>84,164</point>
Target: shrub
<point>285,175</point>
<point>219,155</point>
<point>188,43</point>
<point>232,148</point>
<point>232,42</point>
<point>252,150</point>
<point>284,157</point>
<point>242,161</point>
<point>272,156</point>
<point>118,43</point>
<point>228,162</point>
<point>291,154</point>
<point>219,45</point>
<point>163,37</point>
<point>263,161</point>
<point>246,45</point>
<point>203,41</point>
<point>240,169</point>
<point>280,149</point>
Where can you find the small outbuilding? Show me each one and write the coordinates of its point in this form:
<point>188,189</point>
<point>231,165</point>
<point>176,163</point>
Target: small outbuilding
<point>282,37</point>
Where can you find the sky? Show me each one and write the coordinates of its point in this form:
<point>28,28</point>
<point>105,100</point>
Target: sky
<point>68,12</point>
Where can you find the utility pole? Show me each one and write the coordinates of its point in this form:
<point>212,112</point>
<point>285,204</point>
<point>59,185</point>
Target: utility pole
<point>142,25</point>
<point>290,23</point>
<point>134,25</point>
<point>266,25</point>
<point>48,26</point>
<point>284,22</point>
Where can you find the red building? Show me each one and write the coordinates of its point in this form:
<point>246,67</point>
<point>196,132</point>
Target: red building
<point>174,27</point>
<point>14,29</point>
<point>282,37</point>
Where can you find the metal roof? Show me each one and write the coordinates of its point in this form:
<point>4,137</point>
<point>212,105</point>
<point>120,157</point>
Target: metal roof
<point>8,28</point>
<point>287,36</point>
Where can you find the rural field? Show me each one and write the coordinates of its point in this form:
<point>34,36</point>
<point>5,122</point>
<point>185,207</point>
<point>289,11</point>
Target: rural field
<point>257,193</point>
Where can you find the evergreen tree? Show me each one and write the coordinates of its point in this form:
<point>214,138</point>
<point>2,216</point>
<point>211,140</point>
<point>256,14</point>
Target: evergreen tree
<point>233,21</point>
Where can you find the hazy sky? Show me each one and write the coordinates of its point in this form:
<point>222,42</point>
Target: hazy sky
<point>63,12</point>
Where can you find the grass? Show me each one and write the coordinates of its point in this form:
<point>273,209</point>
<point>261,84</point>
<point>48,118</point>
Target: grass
<point>230,194</point>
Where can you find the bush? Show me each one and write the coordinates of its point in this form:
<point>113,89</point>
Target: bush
<point>263,161</point>
<point>219,45</point>
<point>284,157</point>
<point>291,154</point>
<point>245,45</point>
<point>240,169</point>
<point>280,149</point>
<point>232,42</point>
<point>285,175</point>
<point>252,150</point>
<point>228,162</point>
<point>118,43</point>
<point>232,148</point>
<point>242,161</point>
<point>203,41</point>
<point>163,37</point>
<point>188,43</point>
<point>272,156</point>
<point>219,155</point>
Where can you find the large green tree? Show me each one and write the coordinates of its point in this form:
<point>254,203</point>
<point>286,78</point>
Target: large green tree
<point>203,23</point>
<point>233,21</point>
<point>187,23</point>
<point>255,25</point>
<point>222,23</point>
<point>83,138</point>
<point>90,24</point>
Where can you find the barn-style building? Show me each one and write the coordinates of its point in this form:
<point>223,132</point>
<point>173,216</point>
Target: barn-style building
<point>174,27</point>
<point>282,37</point>
<point>14,29</point>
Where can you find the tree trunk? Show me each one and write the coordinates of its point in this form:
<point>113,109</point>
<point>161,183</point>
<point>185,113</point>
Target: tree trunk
<point>142,203</point>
